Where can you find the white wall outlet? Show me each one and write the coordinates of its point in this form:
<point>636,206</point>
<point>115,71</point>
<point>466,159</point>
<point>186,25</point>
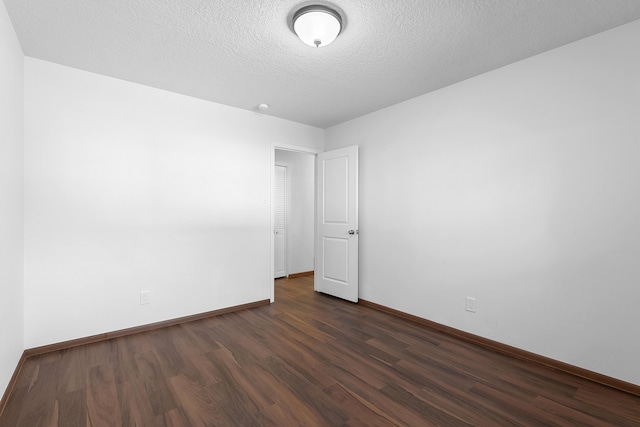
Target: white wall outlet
<point>470,304</point>
<point>145,297</point>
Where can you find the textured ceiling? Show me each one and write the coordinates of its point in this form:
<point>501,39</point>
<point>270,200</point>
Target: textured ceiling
<point>242,53</point>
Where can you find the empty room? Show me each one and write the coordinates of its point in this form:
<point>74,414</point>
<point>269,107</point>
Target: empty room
<point>329,213</point>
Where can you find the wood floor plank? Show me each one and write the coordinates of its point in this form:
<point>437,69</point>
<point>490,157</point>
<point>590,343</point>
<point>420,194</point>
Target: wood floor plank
<point>135,407</point>
<point>40,399</point>
<point>360,413</point>
<point>592,397</point>
<point>288,409</point>
<point>72,410</point>
<point>195,401</point>
<point>420,407</point>
<point>517,410</point>
<point>573,417</point>
<point>14,408</point>
<point>308,359</point>
<point>102,397</point>
<point>155,384</point>
<point>175,418</point>
<point>124,359</point>
<point>305,391</point>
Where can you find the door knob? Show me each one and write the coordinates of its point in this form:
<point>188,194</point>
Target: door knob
<point>352,232</point>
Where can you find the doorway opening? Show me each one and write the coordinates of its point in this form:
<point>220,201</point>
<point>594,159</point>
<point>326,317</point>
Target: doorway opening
<point>292,212</point>
<point>282,211</point>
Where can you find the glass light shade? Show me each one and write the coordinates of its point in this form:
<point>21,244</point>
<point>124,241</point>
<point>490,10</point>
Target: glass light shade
<point>317,26</point>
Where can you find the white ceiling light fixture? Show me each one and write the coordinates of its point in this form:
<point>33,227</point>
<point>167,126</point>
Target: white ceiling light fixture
<point>317,25</point>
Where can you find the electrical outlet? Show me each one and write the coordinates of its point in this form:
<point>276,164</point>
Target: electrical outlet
<point>471,304</point>
<point>145,297</point>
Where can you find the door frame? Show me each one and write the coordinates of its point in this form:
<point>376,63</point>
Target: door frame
<point>272,168</point>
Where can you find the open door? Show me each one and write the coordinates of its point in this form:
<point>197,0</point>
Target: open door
<point>337,223</point>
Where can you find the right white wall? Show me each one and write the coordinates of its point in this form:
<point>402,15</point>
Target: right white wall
<point>520,188</point>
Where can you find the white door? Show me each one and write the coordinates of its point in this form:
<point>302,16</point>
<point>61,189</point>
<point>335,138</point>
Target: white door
<point>280,249</point>
<point>337,223</point>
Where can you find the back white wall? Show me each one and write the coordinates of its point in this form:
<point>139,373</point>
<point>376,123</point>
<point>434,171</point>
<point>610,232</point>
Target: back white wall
<point>130,188</point>
<point>11,165</point>
<point>299,209</point>
<point>521,188</point>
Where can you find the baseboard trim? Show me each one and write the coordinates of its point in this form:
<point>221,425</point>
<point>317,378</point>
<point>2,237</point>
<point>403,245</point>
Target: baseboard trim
<point>12,384</point>
<point>511,351</point>
<point>301,274</point>
<point>36,351</point>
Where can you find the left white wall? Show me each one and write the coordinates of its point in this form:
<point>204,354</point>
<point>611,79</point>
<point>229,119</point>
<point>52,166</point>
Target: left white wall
<point>11,206</point>
<point>131,188</point>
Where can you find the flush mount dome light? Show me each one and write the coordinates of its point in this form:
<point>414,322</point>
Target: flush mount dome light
<point>317,25</point>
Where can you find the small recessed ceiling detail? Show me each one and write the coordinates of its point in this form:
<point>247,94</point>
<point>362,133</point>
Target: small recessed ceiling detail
<point>317,25</point>
<point>263,107</point>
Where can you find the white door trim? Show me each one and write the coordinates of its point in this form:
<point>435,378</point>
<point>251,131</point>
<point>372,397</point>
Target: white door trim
<point>284,147</point>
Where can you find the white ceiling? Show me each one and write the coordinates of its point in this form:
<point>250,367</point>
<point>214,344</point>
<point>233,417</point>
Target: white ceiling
<point>243,53</point>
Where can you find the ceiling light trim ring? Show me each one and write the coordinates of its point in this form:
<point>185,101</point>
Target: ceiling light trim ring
<point>318,8</point>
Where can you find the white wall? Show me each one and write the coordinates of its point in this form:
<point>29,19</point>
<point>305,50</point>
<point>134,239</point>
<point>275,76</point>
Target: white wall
<point>521,188</point>
<point>130,188</point>
<point>11,167</point>
<point>299,209</point>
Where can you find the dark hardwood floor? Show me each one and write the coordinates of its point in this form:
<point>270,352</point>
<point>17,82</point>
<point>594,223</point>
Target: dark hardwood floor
<point>308,359</point>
